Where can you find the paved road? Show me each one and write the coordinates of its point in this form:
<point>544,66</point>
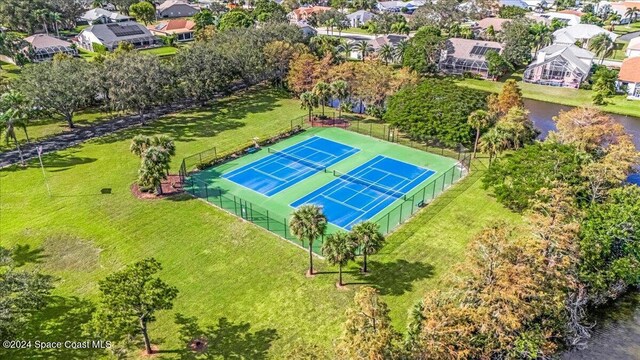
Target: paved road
<point>76,136</point>
<point>629,36</point>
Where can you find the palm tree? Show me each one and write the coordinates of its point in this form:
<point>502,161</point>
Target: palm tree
<point>478,120</point>
<point>400,27</point>
<point>8,120</point>
<point>399,49</point>
<point>322,91</point>
<point>307,224</point>
<point>601,45</point>
<point>466,33</point>
<point>139,145</point>
<point>542,35</point>
<point>631,13</point>
<point>43,15</point>
<point>340,91</point>
<point>493,142</point>
<point>386,53</point>
<point>339,248</point>
<point>363,47</point>
<point>308,101</point>
<point>55,19</point>
<point>154,168</point>
<point>15,100</point>
<point>347,48</point>
<point>369,238</point>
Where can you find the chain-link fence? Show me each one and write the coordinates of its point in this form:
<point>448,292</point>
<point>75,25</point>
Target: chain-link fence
<point>277,223</point>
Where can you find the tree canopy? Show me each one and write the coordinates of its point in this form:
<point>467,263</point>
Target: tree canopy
<point>435,110</point>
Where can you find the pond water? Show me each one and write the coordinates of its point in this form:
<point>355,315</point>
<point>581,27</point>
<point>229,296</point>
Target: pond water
<point>616,334</point>
<point>542,114</point>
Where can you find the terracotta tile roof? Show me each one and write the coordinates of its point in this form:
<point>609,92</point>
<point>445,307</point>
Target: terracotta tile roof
<point>175,26</point>
<point>630,70</point>
<point>310,10</point>
<point>572,12</point>
<point>497,23</point>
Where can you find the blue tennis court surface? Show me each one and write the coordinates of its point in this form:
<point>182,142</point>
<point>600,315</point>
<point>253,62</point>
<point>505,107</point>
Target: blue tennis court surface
<point>366,190</point>
<point>284,168</point>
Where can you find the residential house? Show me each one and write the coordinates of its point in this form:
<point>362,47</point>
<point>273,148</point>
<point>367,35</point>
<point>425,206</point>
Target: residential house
<point>182,29</point>
<point>629,77</point>
<point>538,5</point>
<point>619,8</point>
<point>176,8</point>
<point>580,33</point>
<point>377,43</point>
<point>480,27</point>
<point>391,6</point>
<point>307,31</point>
<point>517,3</point>
<point>567,19</point>
<point>633,48</point>
<point>461,56</point>
<point>103,16</point>
<point>110,35</point>
<point>359,18</point>
<point>564,65</point>
<point>304,13</point>
<point>43,47</point>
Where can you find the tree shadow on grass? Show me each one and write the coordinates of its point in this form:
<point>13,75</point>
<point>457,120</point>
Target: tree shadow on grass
<point>56,162</point>
<point>61,320</point>
<point>394,278</point>
<point>24,254</point>
<point>224,340</point>
<point>188,125</point>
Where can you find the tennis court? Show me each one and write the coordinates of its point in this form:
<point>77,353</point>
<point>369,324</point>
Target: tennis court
<point>353,177</point>
<point>281,169</point>
<point>363,192</point>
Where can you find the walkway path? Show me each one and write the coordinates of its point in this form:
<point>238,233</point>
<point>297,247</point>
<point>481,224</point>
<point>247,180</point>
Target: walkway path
<point>76,136</point>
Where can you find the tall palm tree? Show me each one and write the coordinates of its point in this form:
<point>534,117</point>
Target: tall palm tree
<point>478,120</point>
<point>15,100</point>
<point>363,47</point>
<point>339,248</point>
<point>8,120</point>
<point>55,17</point>
<point>369,238</point>
<point>493,142</point>
<point>346,47</point>
<point>308,101</point>
<point>322,91</point>
<point>139,145</point>
<point>399,49</point>
<point>386,53</point>
<point>542,35</point>
<point>601,45</point>
<point>307,224</point>
<point>43,15</point>
<point>631,13</point>
<point>340,91</point>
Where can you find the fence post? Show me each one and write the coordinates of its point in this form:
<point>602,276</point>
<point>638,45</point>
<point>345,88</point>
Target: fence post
<point>215,154</point>
<point>235,205</point>
<point>220,196</point>
<point>370,129</point>
<point>200,154</point>
<point>388,219</point>
<point>268,220</point>
<point>433,193</point>
<point>453,173</point>
<point>285,228</point>
<point>206,191</point>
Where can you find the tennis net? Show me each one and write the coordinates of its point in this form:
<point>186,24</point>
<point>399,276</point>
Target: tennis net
<point>302,161</point>
<point>371,184</point>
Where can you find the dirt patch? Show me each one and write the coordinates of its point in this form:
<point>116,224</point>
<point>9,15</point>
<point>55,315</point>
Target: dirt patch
<point>68,252</point>
<point>170,187</point>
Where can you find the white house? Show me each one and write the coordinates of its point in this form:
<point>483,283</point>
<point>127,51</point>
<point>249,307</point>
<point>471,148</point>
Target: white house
<point>569,19</point>
<point>102,16</point>
<point>629,76</point>
<point>582,33</point>
<point>359,18</point>
<point>391,6</point>
<point>517,3</point>
<point>111,35</point>
<point>564,65</point>
<point>633,49</point>
<point>176,8</point>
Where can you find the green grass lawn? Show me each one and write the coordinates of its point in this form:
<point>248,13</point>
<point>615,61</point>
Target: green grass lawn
<point>9,71</point>
<point>43,128</point>
<point>625,29</point>
<point>161,51</point>
<point>619,51</point>
<point>572,97</point>
<point>243,281</point>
